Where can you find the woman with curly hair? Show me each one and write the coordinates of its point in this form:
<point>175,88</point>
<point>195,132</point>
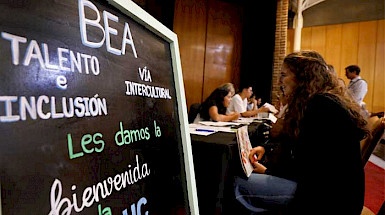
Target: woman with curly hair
<point>319,169</point>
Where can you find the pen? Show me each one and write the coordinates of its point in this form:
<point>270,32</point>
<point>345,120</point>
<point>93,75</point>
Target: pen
<point>204,130</point>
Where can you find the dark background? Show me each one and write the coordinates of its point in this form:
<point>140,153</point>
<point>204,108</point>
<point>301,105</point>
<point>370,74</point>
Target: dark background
<point>258,41</point>
<point>258,37</point>
<point>33,153</point>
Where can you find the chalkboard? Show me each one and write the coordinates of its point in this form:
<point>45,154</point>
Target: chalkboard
<point>92,111</point>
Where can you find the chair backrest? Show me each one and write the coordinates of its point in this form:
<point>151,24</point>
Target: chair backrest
<point>368,144</point>
<point>194,110</point>
<point>379,114</point>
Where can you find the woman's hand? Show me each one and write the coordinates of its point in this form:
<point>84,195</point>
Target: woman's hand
<point>256,154</point>
<point>259,168</point>
<point>263,110</point>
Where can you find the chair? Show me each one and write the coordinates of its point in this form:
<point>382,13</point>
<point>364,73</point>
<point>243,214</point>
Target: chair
<point>194,110</point>
<point>368,144</point>
<point>379,114</point>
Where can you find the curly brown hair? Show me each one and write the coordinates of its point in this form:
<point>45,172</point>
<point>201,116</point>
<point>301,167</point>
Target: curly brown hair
<point>313,77</point>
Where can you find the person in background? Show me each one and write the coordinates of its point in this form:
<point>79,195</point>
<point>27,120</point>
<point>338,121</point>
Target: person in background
<point>357,86</point>
<point>254,102</point>
<point>259,102</point>
<point>228,87</point>
<point>251,102</point>
<point>333,71</point>
<point>239,103</point>
<point>320,169</point>
<point>215,106</point>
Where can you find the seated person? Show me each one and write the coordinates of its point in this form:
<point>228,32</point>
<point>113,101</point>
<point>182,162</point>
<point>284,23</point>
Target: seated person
<point>333,71</point>
<point>228,87</point>
<point>259,102</point>
<point>214,107</point>
<point>254,102</point>
<point>239,103</point>
<point>320,118</point>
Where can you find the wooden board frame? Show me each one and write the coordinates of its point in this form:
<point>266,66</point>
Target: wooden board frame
<point>142,17</point>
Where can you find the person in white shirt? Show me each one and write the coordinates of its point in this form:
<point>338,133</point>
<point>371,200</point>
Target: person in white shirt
<point>357,86</point>
<point>239,103</point>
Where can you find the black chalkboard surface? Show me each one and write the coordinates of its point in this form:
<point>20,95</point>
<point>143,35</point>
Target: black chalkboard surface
<point>89,118</point>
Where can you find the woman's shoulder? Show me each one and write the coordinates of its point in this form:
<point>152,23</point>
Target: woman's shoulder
<point>325,96</point>
<point>327,104</point>
<point>209,103</point>
<point>326,99</point>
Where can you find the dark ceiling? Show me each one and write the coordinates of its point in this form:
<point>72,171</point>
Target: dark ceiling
<point>332,12</point>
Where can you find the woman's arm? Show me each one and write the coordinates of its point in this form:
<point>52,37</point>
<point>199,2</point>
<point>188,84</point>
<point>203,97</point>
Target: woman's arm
<point>215,116</point>
<point>255,112</point>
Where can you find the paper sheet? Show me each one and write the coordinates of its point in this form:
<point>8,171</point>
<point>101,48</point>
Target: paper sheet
<point>195,127</point>
<point>245,120</point>
<point>244,147</point>
<point>271,108</point>
<point>219,124</point>
<point>268,116</point>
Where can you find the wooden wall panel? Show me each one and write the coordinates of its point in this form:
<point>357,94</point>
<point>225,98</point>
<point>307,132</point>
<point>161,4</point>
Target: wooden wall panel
<point>210,41</point>
<point>190,18</point>
<point>224,39</point>
<point>333,47</point>
<point>349,47</point>
<point>367,56</point>
<point>306,39</point>
<point>361,43</point>
<point>318,39</point>
<point>379,76</point>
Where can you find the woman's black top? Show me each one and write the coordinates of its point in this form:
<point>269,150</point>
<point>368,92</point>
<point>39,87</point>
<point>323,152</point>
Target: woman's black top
<point>216,98</point>
<point>204,113</point>
<point>325,160</point>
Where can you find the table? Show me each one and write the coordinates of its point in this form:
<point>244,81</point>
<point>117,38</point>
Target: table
<point>216,163</point>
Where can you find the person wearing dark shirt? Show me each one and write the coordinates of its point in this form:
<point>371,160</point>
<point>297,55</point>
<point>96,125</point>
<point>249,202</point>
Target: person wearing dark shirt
<point>319,170</point>
<point>215,106</point>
